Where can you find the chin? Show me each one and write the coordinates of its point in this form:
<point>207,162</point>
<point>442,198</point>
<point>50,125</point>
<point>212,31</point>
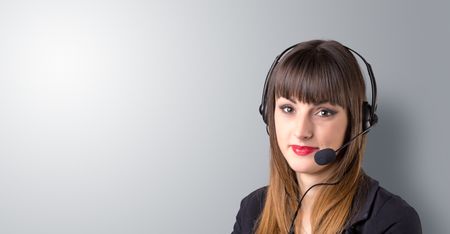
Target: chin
<point>304,166</point>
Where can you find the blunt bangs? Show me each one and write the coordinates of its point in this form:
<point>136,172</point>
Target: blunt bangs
<point>312,77</point>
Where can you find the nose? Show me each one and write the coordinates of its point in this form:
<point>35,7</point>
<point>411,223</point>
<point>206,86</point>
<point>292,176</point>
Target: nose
<point>304,128</point>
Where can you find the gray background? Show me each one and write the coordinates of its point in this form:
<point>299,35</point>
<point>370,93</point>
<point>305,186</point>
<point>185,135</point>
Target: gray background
<point>141,117</point>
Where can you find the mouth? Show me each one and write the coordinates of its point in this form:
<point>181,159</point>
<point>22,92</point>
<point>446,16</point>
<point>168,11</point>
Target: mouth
<point>303,150</point>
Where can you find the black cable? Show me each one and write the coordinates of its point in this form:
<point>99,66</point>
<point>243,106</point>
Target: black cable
<point>291,229</point>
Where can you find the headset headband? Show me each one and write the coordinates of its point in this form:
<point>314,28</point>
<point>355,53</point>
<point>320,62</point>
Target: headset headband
<point>372,108</point>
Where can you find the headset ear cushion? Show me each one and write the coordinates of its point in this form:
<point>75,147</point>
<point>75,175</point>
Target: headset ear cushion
<point>366,120</point>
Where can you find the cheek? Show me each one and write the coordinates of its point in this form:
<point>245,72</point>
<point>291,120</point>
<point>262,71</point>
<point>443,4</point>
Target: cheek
<point>339,135</point>
<point>336,134</point>
<point>281,131</point>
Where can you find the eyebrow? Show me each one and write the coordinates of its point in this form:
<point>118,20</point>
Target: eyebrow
<point>323,102</point>
<point>292,100</point>
<point>316,103</point>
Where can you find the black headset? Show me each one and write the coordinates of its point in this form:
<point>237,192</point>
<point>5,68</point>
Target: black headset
<point>369,116</point>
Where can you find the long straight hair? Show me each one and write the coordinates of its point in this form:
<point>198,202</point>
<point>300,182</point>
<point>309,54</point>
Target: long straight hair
<point>314,72</point>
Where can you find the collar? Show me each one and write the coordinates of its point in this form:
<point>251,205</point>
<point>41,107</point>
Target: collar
<point>371,187</point>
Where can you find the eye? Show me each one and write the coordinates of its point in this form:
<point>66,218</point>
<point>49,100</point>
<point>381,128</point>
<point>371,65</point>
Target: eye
<point>286,109</point>
<point>325,113</point>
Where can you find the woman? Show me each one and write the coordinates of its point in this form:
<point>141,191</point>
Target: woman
<point>315,108</point>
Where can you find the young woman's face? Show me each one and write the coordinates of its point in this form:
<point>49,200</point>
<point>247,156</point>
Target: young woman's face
<point>302,129</point>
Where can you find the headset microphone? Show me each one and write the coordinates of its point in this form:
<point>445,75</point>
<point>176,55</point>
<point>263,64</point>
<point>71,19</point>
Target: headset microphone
<point>325,156</point>
<point>328,155</point>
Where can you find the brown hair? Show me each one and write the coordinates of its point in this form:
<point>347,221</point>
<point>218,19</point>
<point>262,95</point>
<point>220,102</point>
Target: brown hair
<point>314,72</point>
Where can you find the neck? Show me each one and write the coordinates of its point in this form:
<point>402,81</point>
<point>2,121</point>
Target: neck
<point>305,181</point>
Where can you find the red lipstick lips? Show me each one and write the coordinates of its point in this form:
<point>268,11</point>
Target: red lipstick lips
<point>303,150</point>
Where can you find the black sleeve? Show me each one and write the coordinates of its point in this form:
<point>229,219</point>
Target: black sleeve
<point>249,211</point>
<point>388,214</point>
<point>395,216</point>
<point>237,228</point>
<point>408,223</point>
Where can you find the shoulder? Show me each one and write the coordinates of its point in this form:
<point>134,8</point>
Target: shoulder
<point>391,214</point>
<point>397,215</point>
<point>249,211</point>
<point>255,198</point>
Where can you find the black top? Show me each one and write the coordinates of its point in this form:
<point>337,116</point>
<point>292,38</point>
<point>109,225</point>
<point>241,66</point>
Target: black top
<point>382,212</point>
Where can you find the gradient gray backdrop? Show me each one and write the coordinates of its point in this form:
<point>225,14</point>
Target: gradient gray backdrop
<point>141,116</point>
